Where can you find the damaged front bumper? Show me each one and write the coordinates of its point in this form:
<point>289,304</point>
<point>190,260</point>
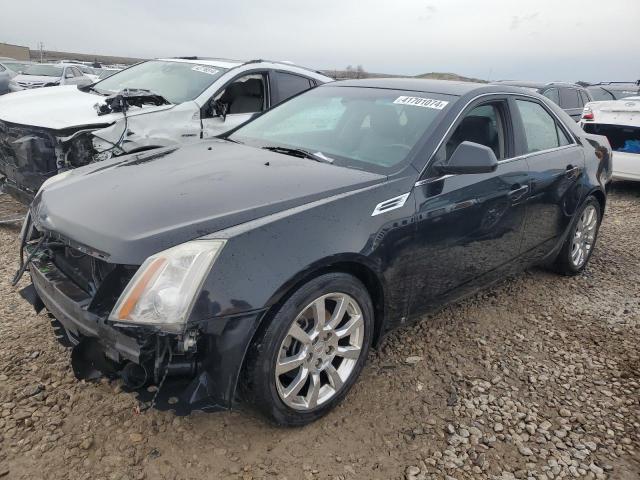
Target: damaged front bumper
<point>197,370</point>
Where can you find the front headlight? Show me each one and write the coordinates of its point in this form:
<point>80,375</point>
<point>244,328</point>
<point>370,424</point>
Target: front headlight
<point>165,287</point>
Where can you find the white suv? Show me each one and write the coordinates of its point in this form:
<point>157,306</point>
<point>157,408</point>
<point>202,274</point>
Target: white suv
<point>152,104</point>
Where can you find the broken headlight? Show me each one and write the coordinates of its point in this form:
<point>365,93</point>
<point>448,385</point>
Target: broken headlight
<point>165,287</point>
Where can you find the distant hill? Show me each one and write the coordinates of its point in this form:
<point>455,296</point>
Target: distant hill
<point>449,76</point>
<point>344,74</point>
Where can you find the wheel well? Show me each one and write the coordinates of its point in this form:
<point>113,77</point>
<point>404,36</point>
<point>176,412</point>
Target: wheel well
<point>358,270</point>
<point>601,198</point>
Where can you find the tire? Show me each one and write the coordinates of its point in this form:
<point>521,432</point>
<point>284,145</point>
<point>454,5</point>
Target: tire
<point>294,337</point>
<point>566,262</point>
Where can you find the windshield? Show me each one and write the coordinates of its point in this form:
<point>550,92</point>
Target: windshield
<point>176,81</point>
<point>367,128</point>
<point>16,66</point>
<point>46,70</point>
<point>107,73</point>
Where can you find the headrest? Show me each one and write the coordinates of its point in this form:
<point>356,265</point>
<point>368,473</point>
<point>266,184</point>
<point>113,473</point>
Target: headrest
<point>476,129</point>
<point>253,87</point>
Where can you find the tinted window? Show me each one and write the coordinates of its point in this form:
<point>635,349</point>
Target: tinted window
<point>552,94</point>
<point>541,130</point>
<point>481,125</point>
<point>365,128</point>
<point>569,98</point>
<point>600,94</point>
<point>2,69</point>
<point>290,85</point>
<point>585,98</point>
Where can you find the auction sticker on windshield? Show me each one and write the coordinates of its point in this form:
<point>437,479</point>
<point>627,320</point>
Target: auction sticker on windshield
<point>421,102</point>
<point>205,69</point>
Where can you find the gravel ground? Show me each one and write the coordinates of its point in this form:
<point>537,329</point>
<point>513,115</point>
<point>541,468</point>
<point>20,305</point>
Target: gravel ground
<point>537,378</point>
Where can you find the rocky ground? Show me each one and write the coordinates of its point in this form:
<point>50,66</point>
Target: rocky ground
<point>537,378</point>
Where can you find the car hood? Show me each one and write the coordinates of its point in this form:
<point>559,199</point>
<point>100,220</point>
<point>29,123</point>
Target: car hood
<point>58,108</point>
<point>129,208</point>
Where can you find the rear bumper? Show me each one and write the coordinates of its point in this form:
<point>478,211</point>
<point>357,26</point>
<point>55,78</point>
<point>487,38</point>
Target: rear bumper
<point>205,379</point>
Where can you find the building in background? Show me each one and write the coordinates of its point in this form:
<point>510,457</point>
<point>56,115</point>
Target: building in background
<point>15,51</point>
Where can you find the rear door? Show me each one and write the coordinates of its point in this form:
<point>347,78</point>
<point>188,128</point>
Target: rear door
<point>556,164</point>
<point>470,225</point>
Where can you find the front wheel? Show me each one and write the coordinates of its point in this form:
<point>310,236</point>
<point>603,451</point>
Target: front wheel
<point>312,351</point>
<point>578,246</point>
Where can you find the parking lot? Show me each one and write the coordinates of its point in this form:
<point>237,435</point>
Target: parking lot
<point>538,377</point>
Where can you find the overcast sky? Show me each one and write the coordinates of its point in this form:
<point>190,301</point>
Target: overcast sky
<point>534,40</point>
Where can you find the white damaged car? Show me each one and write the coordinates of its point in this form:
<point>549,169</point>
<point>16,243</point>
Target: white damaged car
<point>152,104</point>
<point>619,121</point>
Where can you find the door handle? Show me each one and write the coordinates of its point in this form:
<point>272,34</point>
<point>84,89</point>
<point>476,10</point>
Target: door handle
<point>518,190</point>
<point>571,171</point>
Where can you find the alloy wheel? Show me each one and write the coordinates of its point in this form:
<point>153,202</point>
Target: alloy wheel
<point>584,236</point>
<point>320,351</point>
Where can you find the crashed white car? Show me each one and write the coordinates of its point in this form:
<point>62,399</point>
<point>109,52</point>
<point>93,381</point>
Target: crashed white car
<point>153,104</point>
<point>619,121</point>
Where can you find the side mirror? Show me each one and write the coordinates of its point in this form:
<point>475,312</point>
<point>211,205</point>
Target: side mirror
<point>220,109</point>
<point>470,157</point>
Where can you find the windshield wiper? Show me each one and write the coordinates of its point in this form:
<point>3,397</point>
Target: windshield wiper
<point>300,153</point>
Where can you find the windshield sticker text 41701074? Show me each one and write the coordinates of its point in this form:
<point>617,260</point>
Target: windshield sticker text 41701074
<point>421,102</point>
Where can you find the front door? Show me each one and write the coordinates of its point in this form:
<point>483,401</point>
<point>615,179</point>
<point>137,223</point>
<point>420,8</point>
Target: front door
<point>556,164</point>
<point>470,225</point>
<point>242,98</point>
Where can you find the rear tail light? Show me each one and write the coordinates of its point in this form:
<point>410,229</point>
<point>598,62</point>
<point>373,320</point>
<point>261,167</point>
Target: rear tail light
<point>587,114</point>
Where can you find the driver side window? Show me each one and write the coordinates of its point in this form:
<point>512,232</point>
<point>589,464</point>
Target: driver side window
<point>246,94</point>
<point>484,124</point>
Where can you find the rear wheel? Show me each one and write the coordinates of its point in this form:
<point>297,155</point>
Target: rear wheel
<point>312,351</point>
<point>578,246</point>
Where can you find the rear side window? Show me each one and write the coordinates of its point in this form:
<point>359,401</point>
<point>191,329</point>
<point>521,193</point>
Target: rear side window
<point>600,94</point>
<point>569,98</point>
<point>553,95</point>
<point>290,85</point>
<point>541,130</point>
<point>585,98</point>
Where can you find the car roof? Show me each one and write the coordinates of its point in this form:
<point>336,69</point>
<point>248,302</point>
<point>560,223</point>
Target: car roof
<point>214,62</point>
<point>446,87</point>
<point>450,87</point>
<point>530,84</point>
<point>231,63</point>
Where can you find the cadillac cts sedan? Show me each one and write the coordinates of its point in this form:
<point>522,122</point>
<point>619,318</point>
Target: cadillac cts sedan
<point>260,267</point>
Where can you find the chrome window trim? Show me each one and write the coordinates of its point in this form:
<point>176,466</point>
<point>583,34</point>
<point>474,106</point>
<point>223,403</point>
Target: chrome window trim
<point>506,160</point>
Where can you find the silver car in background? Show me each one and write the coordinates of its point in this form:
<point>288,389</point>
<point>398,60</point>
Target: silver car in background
<point>9,68</point>
<point>45,75</point>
